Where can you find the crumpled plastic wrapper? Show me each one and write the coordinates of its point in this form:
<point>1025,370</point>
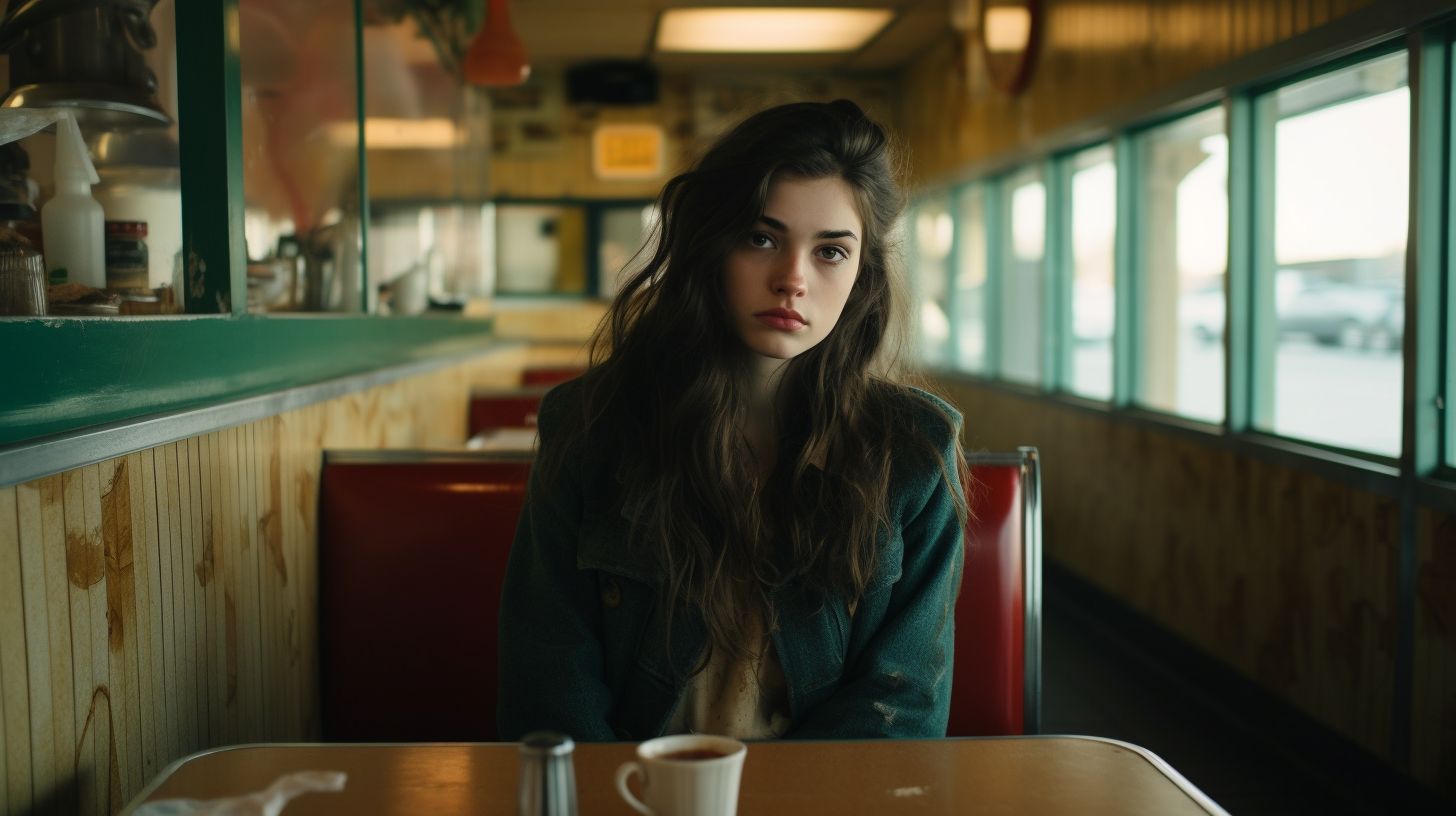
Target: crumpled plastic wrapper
<point>268,802</point>
<point>17,123</point>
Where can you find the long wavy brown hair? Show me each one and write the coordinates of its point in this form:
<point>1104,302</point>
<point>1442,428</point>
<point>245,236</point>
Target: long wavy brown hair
<point>667,388</point>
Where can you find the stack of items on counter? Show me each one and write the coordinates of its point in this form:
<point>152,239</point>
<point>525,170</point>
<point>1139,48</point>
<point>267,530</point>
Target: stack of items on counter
<point>79,257</point>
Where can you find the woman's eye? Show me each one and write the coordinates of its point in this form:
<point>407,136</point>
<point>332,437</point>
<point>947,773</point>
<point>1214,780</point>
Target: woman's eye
<point>833,253</point>
<point>761,240</point>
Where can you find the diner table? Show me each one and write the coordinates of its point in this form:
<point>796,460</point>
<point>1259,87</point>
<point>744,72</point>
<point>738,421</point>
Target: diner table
<point>976,775</point>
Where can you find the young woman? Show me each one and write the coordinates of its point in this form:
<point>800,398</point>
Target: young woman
<point>738,522</point>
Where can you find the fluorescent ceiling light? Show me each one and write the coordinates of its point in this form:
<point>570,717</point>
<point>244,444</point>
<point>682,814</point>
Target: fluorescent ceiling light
<point>768,30</point>
<point>382,133</point>
<point>1007,29</point>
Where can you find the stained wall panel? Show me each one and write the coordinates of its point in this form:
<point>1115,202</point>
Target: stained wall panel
<point>162,602</point>
<point>1285,576</point>
<point>1433,732</point>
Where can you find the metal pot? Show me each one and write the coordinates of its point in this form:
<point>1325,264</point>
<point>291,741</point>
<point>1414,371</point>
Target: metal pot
<point>85,54</point>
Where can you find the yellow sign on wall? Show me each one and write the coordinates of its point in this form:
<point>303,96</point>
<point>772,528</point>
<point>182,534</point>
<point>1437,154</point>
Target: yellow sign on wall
<point>627,151</point>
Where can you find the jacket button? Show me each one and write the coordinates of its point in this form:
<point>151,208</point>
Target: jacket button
<point>611,594</point>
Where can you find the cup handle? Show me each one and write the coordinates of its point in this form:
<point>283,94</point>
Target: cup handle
<point>623,774</point>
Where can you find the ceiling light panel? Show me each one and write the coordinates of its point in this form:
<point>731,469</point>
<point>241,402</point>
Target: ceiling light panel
<point>768,30</point>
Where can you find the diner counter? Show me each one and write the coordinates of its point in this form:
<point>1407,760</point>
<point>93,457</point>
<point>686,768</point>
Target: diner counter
<point>996,775</point>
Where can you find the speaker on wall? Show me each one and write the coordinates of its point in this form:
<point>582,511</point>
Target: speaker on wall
<point>612,82</point>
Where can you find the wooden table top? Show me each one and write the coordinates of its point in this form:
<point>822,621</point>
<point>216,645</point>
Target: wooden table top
<point>1011,775</point>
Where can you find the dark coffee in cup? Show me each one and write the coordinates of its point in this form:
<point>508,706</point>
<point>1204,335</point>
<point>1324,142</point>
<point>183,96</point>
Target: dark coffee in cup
<point>695,754</point>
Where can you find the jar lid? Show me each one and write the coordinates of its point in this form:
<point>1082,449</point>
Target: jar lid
<point>127,229</point>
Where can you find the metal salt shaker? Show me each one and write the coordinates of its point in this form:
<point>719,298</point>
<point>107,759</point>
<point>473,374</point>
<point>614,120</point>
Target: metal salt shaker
<point>548,780</point>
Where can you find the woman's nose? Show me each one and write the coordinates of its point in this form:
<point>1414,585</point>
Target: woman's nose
<point>789,278</point>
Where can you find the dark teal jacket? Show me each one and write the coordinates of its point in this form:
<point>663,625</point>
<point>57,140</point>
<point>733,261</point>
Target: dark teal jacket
<point>582,646</point>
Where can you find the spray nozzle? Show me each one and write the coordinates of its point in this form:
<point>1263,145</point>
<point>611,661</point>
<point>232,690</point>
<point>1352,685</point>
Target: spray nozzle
<point>73,162</point>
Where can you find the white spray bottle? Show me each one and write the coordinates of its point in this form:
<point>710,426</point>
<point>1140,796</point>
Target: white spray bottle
<point>72,221</point>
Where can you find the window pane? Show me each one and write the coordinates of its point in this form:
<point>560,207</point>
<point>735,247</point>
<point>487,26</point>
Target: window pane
<point>540,249</point>
<point>300,128</point>
<point>1184,250</point>
<point>970,280</point>
<point>419,254</point>
<point>933,233</point>
<point>1341,162</point>
<point>1094,221</point>
<point>623,251</point>
<point>428,158</point>
<point>1024,244</point>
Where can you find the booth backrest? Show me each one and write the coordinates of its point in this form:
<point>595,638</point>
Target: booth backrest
<point>413,550</point>
<point>996,687</point>
<point>516,408</point>
<point>549,375</point>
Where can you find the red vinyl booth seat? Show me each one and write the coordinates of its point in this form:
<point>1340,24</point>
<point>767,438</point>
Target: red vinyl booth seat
<point>504,409</point>
<point>996,687</point>
<point>413,549</point>
<point>549,375</point>
<point>412,553</point>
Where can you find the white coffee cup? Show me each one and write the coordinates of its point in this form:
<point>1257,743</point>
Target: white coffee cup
<point>679,778</point>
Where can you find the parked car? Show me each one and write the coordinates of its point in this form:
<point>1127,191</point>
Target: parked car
<point>1348,315</point>
<point>1332,313</point>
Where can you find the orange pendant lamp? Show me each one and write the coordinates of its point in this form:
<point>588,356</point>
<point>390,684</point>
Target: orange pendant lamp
<point>496,57</point>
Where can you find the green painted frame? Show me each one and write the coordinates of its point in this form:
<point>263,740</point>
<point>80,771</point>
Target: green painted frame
<point>1256,130</point>
<point>1056,273</point>
<point>1063,268</point>
<point>959,194</point>
<point>64,374</point>
<point>68,373</point>
<point>593,208</point>
<point>210,135</point>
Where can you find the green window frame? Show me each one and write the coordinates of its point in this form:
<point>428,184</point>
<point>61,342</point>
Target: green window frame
<point>1254,308</point>
<point>1062,269</point>
<point>62,375</point>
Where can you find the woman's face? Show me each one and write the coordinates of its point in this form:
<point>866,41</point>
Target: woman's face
<point>788,280</point>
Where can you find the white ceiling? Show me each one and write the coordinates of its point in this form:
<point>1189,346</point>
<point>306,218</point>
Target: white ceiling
<point>560,32</point>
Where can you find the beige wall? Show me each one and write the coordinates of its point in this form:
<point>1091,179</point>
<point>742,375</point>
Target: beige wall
<point>542,143</point>
<point>164,602</point>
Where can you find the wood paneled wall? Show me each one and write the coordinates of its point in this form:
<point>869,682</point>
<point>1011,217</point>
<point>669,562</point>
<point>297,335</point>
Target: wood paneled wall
<point>1433,737</point>
<point>1096,56</point>
<point>1287,577</point>
<point>164,602</point>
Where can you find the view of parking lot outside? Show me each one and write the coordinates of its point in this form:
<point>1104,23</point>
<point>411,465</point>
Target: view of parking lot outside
<point>933,233</point>
<point>1094,221</point>
<point>970,280</point>
<point>1022,286</point>
<point>1183,243</point>
<point>1340,184</point>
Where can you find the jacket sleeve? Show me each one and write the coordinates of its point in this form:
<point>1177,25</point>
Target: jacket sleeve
<point>899,683</point>
<point>550,667</point>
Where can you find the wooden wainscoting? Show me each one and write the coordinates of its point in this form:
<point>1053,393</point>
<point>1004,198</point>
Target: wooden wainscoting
<point>163,602</point>
<point>1433,729</point>
<point>1286,576</point>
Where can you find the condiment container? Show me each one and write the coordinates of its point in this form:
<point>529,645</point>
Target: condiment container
<point>22,280</point>
<point>548,779</point>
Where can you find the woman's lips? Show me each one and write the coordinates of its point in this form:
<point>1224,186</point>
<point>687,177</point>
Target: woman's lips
<point>782,319</point>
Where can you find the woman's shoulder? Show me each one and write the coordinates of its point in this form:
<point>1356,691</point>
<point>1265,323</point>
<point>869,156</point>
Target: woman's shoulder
<point>562,404</point>
<point>932,417</point>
